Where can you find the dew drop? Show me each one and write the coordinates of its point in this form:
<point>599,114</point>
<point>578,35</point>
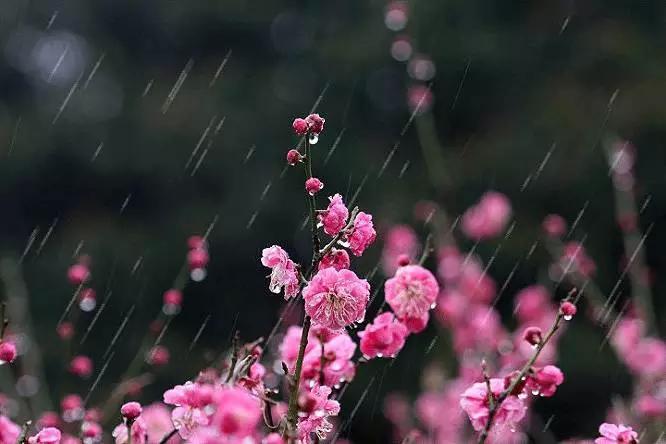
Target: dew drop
<point>433,305</point>
<point>568,317</point>
<point>87,304</point>
<point>198,274</point>
<point>380,355</point>
<point>313,139</point>
<point>535,392</point>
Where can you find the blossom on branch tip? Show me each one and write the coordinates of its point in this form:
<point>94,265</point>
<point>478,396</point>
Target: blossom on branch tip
<point>315,123</point>
<point>300,126</point>
<point>131,410</point>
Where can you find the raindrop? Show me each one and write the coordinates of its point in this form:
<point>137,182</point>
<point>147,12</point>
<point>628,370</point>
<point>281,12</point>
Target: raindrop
<point>27,386</point>
<point>535,392</point>
<point>87,304</point>
<point>568,317</point>
<point>433,305</point>
<point>171,309</point>
<point>198,274</point>
<point>380,355</point>
<point>313,139</point>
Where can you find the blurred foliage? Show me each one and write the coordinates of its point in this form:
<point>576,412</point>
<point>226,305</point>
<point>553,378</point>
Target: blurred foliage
<point>513,80</point>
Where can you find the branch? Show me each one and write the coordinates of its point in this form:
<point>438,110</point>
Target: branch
<point>494,407</point>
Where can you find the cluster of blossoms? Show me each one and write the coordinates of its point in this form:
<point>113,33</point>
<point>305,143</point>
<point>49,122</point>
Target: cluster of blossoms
<point>524,360</point>
<point>236,401</point>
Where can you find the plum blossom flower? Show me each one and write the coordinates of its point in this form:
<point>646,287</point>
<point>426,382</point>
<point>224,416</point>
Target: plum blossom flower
<point>191,401</point>
<point>338,349</point>
<point>237,412</point>
<point>545,380</point>
<point>284,272</point>
<point>300,126</point>
<point>384,337</point>
<point>315,123</point>
<point>336,258</point>
<point>488,217</point>
<point>49,435</point>
<point>412,292</point>
<point>9,432</point>
<point>334,218</point>
<point>157,418</point>
<point>474,401</point>
<point>316,408</point>
<point>362,235</point>
<point>335,299</point>
<point>616,434</point>
<point>313,185</point>
<point>131,410</point>
<point>138,430</point>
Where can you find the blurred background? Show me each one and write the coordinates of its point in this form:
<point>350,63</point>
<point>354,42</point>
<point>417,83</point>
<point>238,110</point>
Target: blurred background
<point>127,126</point>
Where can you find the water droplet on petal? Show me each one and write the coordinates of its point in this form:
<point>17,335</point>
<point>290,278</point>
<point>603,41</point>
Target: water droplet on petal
<point>568,317</point>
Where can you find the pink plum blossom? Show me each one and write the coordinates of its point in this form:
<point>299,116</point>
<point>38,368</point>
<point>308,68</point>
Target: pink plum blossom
<point>237,412</point>
<point>544,381</point>
<point>616,434</point>
<point>363,234</point>
<point>49,435</point>
<point>412,292</point>
<point>284,273</point>
<point>488,218</point>
<point>334,218</point>
<point>384,337</point>
<point>474,401</point>
<point>316,409</point>
<point>9,432</point>
<point>336,258</point>
<point>336,299</point>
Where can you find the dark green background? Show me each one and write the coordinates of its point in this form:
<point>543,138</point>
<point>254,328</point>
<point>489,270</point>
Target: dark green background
<point>530,84</point>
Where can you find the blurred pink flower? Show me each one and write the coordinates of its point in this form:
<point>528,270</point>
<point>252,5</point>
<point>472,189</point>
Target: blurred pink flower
<point>384,337</point>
